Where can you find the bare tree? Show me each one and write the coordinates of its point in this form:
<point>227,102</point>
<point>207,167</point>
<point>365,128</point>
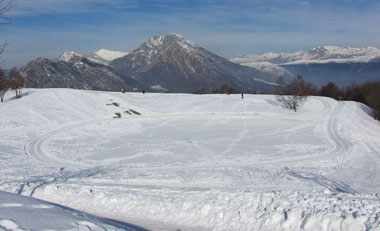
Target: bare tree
<point>331,90</point>
<point>5,6</point>
<point>293,93</point>
<point>16,81</point>
<point>371,93</point>
<point>3,85</point>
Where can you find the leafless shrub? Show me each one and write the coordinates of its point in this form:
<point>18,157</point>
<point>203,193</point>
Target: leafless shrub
<point>16,82</point>
<point>293,93</point>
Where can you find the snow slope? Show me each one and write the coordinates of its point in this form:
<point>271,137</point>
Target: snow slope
<point>25,213</point>
<point>195,162</point>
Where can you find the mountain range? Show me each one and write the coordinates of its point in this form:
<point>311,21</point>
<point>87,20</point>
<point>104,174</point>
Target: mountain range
<point>342,65</point>
<point>72,70</point>
<point>168,63</point>
<point>171,63</point>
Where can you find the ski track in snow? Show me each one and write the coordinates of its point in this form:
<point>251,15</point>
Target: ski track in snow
<point>211,162</point>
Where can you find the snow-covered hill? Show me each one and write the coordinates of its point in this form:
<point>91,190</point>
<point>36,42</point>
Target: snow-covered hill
<point>194,162</point>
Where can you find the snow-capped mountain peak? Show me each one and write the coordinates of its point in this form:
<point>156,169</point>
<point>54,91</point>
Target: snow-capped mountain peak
<point>68,55</point>
<point>160,43</point>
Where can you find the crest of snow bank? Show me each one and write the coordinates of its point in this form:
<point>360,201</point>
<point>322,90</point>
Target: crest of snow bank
<point>218,210</point>
<point>25,213</point>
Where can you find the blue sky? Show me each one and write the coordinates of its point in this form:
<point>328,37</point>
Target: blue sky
<point>46,28</point>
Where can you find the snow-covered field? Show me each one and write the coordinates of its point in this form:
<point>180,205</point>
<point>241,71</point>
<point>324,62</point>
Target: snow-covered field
<point>192,162</point>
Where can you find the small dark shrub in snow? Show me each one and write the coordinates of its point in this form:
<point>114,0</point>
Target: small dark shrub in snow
<point>200,91</point>
<point>225,89</point>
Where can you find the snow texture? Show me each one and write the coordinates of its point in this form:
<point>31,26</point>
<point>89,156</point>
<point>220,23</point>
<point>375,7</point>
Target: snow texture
<point>191,162</point>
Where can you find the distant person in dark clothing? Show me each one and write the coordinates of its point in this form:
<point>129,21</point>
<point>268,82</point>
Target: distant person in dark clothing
<point>242,95</point>
<point>143,91</point>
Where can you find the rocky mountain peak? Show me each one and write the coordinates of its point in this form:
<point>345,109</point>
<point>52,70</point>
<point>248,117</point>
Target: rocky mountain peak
<point>162,63</point>
<point>179,65</point>
<point>157,44</point>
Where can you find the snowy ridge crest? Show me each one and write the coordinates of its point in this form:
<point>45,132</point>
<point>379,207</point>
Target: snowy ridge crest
<point>104,56</point>
<point>101,56</point>
<point>321,54</point>
<point>68,55</point>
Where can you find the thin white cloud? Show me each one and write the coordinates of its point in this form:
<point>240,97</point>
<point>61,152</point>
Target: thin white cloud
<point>37,7</point>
